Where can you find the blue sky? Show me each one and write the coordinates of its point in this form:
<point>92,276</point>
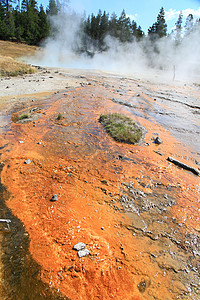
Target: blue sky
<point>144,12</point>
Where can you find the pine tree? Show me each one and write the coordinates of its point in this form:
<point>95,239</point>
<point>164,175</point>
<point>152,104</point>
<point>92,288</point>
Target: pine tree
<point>124,28</point>
<point>113,26</point>
<point>136,31</point>
<point>24,5</point>
<point>178,30</point>
<point>103,30</point>
<point>30,21</point>
<point>159,28</point>
<point>189,24</point>
<point>7,4</point>
<point>19,30</point>
<point>43,24</point>
<point>139,33</point>
<point>4,30</point>
<point>53,8</point>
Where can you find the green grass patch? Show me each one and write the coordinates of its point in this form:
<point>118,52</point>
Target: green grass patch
<point>22,117</point>
<point>59,117</point>
<point>121,128</point>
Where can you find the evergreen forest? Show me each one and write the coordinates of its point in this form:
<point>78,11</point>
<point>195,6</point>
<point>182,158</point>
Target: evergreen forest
<point>25,22</point>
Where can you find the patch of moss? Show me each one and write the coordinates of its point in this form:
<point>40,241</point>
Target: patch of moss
<point>121,128</point>
<point>22,117</point>
<point>59,117</point>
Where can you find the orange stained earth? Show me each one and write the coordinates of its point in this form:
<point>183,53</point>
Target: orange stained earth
<point>77,160</point>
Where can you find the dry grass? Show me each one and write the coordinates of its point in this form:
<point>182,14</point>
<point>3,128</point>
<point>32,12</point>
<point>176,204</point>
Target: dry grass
<point>12,67</point>
<point>121,128</point>
<point>9,52</point>
<point>16,50</point>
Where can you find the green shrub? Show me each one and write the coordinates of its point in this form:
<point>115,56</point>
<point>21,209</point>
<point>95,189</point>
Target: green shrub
<point>121,128</point>
<point>59,117</point>
<point>24,116</point>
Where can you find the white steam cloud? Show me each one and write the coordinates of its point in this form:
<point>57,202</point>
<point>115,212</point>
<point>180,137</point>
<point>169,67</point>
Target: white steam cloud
<point>139,57</point>
<point>173,14</point>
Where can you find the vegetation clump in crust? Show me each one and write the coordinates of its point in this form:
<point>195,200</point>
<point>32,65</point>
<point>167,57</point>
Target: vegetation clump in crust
<point>121,128</point>
<point>59,117</point>
<point>22,117</point>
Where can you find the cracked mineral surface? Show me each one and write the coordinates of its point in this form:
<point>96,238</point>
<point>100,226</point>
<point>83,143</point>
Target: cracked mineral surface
<point>137,213</point>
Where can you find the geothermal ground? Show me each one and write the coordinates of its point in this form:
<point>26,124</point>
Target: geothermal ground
<point>137,213</point>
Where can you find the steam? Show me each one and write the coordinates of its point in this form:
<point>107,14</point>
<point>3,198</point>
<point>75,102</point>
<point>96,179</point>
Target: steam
<point>163,57</point>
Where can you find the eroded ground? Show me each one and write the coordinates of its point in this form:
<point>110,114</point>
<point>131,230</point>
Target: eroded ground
<point>137,213</point>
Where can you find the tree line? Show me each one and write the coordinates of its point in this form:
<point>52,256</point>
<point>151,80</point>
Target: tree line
<point>27,23</point>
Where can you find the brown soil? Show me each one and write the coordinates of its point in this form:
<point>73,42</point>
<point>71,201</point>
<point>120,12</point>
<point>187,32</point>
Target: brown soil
<point>135,253</point>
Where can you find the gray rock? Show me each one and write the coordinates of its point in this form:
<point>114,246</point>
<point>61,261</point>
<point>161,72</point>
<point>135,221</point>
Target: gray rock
<point>158,141</point>
<point>28,161</point>
<point>54,198</point>
<point>83,253</point>
<point>79,246</point>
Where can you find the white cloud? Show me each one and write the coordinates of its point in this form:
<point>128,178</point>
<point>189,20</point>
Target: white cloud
<point>172,14</point>
<point>132,17</point>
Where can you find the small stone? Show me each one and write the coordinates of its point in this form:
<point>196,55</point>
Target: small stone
<point>120,157</point>
<point>104,181</point>
<point>142,286</point>
<point>21,142</point>
<point>54,198</point>
<point>158,141</point>
<point>28,161</point>
<point>39,143</point>
<point>83,253</point>
<point>79,246</point>
<point>102,228</point>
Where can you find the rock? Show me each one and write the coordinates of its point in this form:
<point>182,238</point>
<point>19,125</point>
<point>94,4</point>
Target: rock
<point>104,181</point>
<point>28,161</point>
<point>79,246</point>
<point>54,198</point>
<point>120,157</point>
<point>158,141</point>
<point>21,142</point>
<point>34,109</point>
<point>142,286</point>
<point>102,228</point>
<point>83,253</point>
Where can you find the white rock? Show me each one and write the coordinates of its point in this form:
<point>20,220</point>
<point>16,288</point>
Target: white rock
<point>79,246</point>
<point>28,161</point>
<point>83,253</point>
